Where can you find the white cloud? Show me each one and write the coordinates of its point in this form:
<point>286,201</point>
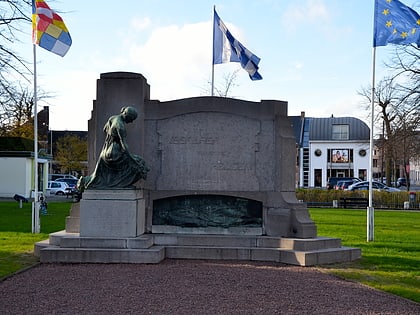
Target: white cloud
<point>175,59</point>
<point>140,24</point>
<point>312,11</point>
<point>72,110</point>
<point>317,11</point>
<point>316,15</point>
<point>298,65</point>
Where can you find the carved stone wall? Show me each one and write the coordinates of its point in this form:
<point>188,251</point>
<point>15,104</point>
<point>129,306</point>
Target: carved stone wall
<point>208,146</point>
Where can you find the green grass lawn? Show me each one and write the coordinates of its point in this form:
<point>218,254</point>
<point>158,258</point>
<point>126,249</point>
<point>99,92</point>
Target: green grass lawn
<point>16,239</point>
<point>390,263</point>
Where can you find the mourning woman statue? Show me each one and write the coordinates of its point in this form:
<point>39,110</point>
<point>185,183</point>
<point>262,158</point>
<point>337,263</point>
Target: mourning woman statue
<point>116,167</point>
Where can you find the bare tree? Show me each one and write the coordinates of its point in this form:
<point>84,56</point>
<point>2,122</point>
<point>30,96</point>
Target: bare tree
<point>385,112</point>
<point>406,65</point>
<point>17,113</point>
<point>225,87</point>
<point>397,101</point>
<point>16,92</point>
<point>406,144</point>
<point>12,21</point>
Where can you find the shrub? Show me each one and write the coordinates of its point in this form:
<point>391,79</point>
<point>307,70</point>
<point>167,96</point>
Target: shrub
<point>381,199</point>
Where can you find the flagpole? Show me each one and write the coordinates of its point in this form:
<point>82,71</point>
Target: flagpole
<point>370,209</point>
<point>212,61</point>
<point>35,208</point>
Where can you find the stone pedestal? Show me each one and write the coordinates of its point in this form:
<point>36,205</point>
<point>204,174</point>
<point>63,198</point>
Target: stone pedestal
<point>73,220</point>
<point>112,213</point>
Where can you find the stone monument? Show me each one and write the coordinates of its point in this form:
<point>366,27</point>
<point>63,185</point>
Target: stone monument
<point>111,206</point>
<point>220,184</point>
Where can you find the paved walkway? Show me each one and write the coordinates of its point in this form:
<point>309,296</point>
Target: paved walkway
<point>191,287</point>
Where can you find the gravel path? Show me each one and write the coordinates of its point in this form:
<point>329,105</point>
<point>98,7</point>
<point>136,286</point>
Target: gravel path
<point>191,287</point>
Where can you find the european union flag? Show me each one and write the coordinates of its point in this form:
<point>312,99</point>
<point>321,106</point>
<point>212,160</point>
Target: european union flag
<point>395,23</point>
<point>227,49</point>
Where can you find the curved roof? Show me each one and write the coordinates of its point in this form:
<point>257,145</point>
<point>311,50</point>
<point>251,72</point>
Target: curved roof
<point>321,128</point>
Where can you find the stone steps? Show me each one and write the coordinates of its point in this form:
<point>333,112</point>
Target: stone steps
<point>63,247</point>
<point>55,254</point>
<point>292,257</point>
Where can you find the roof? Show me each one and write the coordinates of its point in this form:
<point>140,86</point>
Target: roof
<point>300,127</point>
<point>321,128</point>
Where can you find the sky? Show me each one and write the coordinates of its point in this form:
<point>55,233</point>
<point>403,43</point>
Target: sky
<point>315,54</point>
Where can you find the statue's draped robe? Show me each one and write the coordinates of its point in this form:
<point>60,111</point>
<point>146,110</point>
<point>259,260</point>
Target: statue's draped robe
<point>116,167</point>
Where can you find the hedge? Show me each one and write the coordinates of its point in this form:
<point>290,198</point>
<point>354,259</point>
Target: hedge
<point>381,199</point>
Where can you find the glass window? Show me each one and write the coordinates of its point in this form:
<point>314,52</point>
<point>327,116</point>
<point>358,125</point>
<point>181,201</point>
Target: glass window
<point>340,132</point>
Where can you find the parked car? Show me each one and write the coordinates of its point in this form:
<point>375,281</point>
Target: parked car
<point>375,185</point>
<point>70,181</point>
<point>53,177</point>
<point>57,188</point>
<point>332,181</point>
<point>344,184</point>
<point>401,182</point>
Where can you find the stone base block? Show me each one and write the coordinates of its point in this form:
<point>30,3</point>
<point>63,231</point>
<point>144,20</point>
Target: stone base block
<point>171,229</point>
<point>112,213</point>
<point>102,255</point>
<point>152,248</point>
<point>72,224</point>
<point>73,220</point>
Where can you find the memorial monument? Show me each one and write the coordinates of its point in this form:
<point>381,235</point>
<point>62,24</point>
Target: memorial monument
<point>220,183</point>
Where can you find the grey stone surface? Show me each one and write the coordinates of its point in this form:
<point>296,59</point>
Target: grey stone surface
<point>206,231</point>
<point>113,194</point>
<point>156,247</point>
<point>102,255</point>
<point>120,214</point>
<point>116,89</point>
<point>73,220</point>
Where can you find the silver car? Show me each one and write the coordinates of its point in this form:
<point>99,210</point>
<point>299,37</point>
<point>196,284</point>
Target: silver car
<point>58,188</point>
<point>375,185</point>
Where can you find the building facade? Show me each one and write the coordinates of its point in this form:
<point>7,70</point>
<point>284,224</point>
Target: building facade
<point>330,147</point>
<point>17,171</point>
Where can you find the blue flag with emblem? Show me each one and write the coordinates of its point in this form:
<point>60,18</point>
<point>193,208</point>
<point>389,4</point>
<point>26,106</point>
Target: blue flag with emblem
<point>227,49</point>
<point>395,23</point>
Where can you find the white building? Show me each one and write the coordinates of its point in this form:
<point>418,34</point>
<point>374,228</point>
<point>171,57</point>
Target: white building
<point>330,147</point>
<point>17,174</point>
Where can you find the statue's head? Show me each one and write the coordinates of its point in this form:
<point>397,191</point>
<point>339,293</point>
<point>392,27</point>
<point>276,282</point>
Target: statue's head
<point>129,113</point>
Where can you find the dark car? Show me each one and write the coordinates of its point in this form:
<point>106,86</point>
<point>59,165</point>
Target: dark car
<point>401,182</point>
<point>332,181</point>
<point>344,184</point>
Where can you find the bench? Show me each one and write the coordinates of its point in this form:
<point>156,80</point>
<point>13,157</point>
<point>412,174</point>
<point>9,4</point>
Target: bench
<point>348,202</point>
<point>20,199</point>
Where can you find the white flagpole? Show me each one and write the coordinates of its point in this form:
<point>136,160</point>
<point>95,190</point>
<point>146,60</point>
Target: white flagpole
<point>370,209</point>
<point>35,207</point>
<point>212,61</point>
